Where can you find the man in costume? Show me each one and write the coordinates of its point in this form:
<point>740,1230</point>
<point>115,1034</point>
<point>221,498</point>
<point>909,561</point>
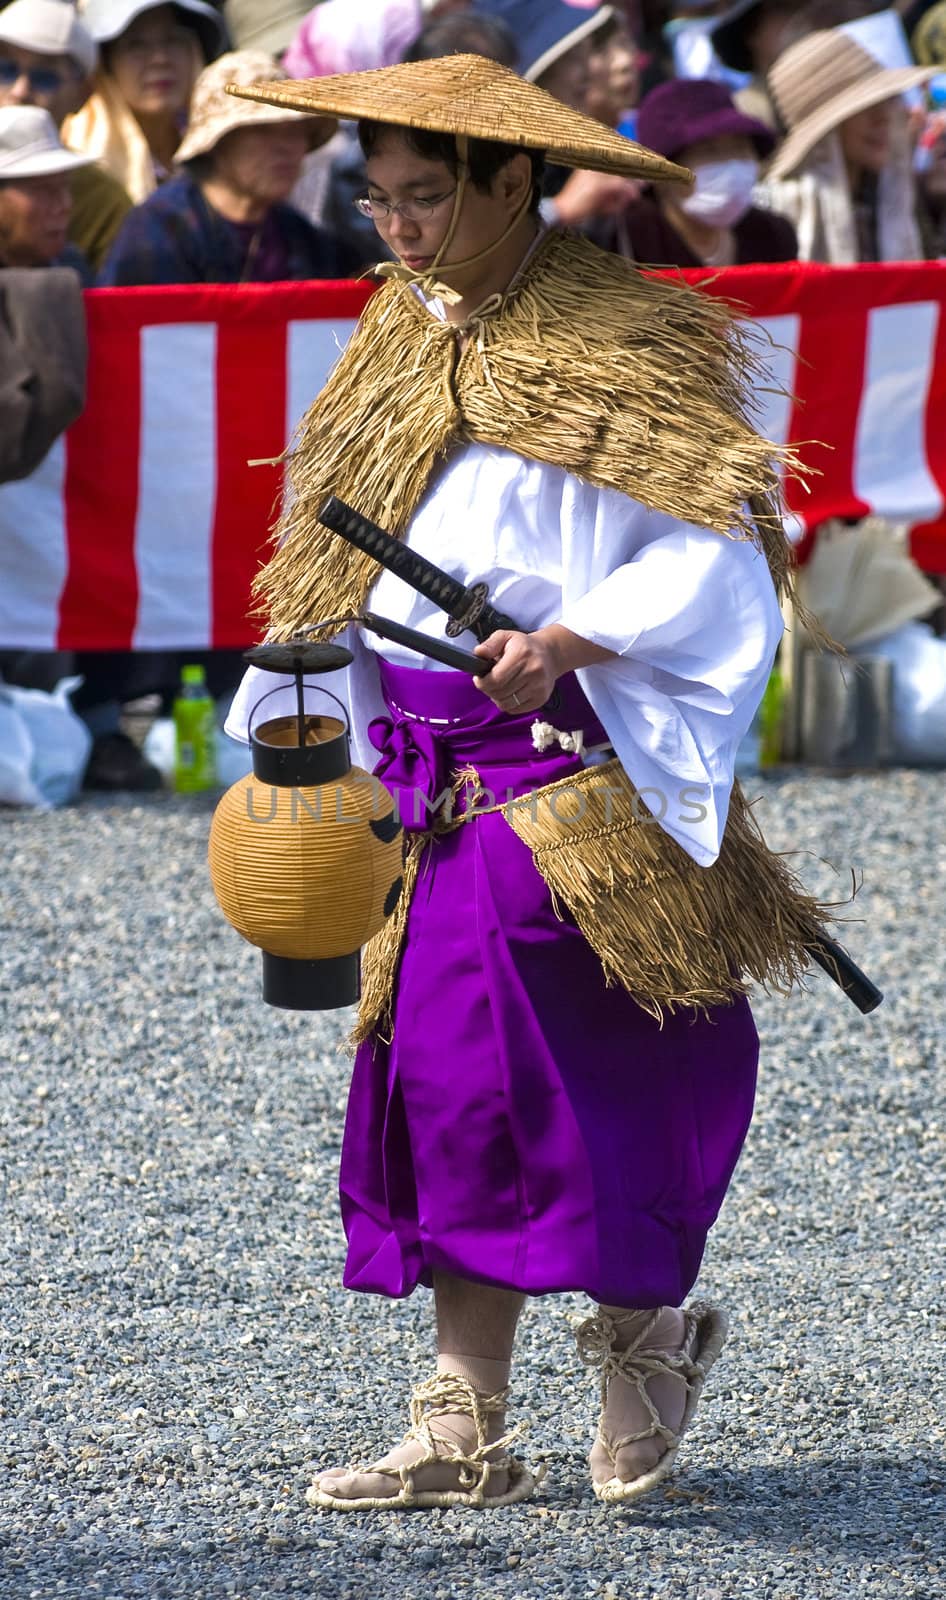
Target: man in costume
<point>557,1059</point>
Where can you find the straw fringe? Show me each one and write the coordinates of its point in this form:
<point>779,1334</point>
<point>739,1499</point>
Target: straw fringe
<point>634,383</point>
<point>381,955</point>
<point>674,934</point>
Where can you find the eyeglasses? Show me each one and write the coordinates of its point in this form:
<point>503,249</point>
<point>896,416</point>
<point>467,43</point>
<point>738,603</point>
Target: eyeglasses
<point>411,210</point>
<point>42,80</point>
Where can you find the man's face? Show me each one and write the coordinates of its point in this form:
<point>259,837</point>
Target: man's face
<point>54,83</point>
<point>34,219</point>
<point>397,174</point>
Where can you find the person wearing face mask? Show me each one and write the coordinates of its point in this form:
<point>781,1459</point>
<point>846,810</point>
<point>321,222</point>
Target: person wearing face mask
<point>713,222</point>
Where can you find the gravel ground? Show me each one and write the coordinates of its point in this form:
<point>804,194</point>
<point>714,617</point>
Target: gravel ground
<point>178,1356</point>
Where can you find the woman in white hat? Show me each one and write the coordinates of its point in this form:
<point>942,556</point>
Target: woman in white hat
<point>843,173</point>
<point>150,55</point>
<point>224,219</point>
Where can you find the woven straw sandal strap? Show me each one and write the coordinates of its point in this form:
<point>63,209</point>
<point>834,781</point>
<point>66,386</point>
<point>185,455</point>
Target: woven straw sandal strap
<point>636,1364</point>
<point>449,1394</point>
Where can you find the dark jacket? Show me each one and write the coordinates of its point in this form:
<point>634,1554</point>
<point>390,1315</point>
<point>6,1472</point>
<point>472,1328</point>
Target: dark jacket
<point>176,236</point>
<point>644,233</point>
<point>42,363</point>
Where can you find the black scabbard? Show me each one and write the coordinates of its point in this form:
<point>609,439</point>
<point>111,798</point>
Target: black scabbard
<point>833,959</point>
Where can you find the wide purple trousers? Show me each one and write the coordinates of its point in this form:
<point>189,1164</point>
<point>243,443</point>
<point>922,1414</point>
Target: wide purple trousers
<point>528,1126</point>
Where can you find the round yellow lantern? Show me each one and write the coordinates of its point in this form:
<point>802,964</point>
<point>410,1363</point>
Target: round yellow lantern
<point>306,853</point>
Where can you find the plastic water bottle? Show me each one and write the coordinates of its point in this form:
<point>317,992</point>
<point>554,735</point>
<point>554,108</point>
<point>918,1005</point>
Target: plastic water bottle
<point>195,729</point>
<point>771,718</point>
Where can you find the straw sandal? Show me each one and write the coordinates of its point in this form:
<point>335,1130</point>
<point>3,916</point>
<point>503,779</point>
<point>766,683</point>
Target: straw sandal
<point>705,1333</point>
<point>446,1393</point>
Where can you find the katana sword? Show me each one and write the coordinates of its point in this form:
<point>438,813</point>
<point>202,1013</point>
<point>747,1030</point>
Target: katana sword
<point>467,608</point>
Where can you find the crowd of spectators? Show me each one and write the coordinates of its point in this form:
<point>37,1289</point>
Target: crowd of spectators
<point>815,129</point>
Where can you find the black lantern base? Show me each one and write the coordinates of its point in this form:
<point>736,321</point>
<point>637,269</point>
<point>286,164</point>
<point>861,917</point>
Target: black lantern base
<point>311,985</point>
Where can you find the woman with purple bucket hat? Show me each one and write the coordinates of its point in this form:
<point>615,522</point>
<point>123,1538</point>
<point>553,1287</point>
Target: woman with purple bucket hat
<point>711,222</point>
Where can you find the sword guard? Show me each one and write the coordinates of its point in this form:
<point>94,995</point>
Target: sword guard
<point>479,596</point>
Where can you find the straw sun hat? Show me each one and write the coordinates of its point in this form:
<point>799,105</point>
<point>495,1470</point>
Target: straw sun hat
<point>472,97</point>
<point>822,80</point>
<point>214,113</point>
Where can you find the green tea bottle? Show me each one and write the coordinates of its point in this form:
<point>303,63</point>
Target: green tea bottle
<point>772,720</point>
<point>195,732</point>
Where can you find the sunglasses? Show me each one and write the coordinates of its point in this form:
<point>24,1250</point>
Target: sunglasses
<point>42,80</point>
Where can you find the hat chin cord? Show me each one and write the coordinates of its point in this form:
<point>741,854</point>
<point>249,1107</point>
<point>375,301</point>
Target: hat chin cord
<point>402,273</point>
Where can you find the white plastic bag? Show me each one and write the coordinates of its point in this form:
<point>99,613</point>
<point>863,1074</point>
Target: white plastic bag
<point>919,692</point>
<point>44,746</point>
<point>16,756</point>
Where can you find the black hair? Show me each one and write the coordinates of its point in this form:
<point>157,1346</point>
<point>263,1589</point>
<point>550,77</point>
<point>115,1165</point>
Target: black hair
<point>466,34</point>
<point>486,157</point>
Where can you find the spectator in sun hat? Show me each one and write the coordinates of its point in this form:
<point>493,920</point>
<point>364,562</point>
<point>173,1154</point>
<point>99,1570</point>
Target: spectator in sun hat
<point>47,59</point>
<point>35,191</point>
<point>749,35</point>
<point>694,122</point>
<point>42,323</point>
<point>150,54</point>
<point>224,219</point>
<point>843,174</point>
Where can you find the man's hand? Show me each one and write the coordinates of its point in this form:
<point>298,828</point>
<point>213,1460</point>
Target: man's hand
<point>523,674</point>
<point>528,665</point>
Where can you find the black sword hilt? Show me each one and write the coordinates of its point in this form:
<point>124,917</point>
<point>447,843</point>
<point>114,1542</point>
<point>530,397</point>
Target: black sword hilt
<point>468,608</point>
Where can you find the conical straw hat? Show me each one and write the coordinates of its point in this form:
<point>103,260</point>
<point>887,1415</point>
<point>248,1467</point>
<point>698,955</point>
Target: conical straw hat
<point>472,96</point>
<point>822,80</point>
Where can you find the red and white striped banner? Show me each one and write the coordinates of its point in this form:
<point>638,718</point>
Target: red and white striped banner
<point>144,525</point>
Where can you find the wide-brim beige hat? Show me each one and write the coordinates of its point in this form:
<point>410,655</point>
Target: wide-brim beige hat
<point>822,80</point>
<point>472,97</point>
<point>214,113</point>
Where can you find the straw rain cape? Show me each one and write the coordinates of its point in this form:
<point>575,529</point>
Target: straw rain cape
<point>633,383</point>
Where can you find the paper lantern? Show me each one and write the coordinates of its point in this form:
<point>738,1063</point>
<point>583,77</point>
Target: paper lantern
<point>306,853</point>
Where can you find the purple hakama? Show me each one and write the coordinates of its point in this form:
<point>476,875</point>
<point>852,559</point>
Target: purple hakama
<point>528,1126</point>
